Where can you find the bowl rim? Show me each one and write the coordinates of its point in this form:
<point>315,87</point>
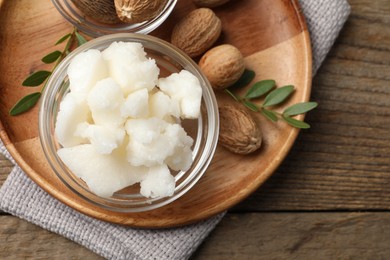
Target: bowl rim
<point>49,94</point>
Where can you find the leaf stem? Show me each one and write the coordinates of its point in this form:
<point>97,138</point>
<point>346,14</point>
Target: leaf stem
<point>274,98</point>
<point>40,77</point>
<point>65,52</point>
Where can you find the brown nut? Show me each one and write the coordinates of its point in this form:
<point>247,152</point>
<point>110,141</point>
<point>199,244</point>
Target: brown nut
<point>137,11</point>
<point>223,65</point>
<point>100,10</point>
<point>197,32</point>
<point>209,3</point>
<point>239,132</point>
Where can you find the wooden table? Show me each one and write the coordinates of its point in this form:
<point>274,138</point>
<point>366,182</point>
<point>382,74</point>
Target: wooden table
<point>330,199</point>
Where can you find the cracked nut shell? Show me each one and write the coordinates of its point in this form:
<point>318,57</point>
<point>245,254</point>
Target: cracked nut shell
<point>137,11</point>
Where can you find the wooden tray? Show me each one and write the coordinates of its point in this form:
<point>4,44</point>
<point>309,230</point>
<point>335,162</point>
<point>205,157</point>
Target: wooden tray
<point>271,34</point>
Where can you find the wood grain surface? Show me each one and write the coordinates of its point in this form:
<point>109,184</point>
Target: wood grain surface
<point>299,236</point>
<point>306,209</point>
<point>272,36</point>
<point>267,236</point>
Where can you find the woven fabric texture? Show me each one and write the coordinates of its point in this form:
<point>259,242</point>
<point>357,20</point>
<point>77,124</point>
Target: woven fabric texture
<point>21,197</point>
<point>325,19</point>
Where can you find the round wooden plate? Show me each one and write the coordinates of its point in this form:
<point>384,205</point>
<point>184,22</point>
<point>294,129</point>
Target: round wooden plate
<point>271,34</point>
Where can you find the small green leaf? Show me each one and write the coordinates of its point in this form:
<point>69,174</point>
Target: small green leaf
<point>80,39</point>
<point>278,95</point>
<point>271,115</point>
<point>25,103</point>
<point>36,79</point>
<point>236,98</point>
<point>65,37</point>
<point>299,108</point>
<point>51,57</point>
<point>296,123</point>
<point>260,88</point>
<point>251,106</point>
<point>244,80</point>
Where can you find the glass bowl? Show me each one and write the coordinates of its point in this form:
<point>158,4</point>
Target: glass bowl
<point>94,28</point>
<point>203,130</point>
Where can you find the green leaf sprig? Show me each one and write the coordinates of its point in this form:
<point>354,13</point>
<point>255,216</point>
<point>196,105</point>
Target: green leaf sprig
<point>37,78</point>
<point>273,97</point>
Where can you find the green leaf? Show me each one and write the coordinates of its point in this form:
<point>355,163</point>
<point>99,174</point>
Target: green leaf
<point>251,106</point>
<point>51,57</point>
<point>260,88</point>
<point>25,103</point>
<point>271,115</point>
<point>80,39</point>
<point>299,108</point>
<point>236,98</point>
<point>36,79</point>
<point>65,37</point>
<point>296,123</point>
<point>278,95</point>
<point>244,80</point>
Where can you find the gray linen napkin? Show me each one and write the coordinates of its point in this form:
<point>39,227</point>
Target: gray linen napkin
<point>23,198</point>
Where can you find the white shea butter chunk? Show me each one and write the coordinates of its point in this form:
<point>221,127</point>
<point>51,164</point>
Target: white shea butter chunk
<point>120,124</point>
<point>105,100</point>
<point>104,174</point>
<point>186,89</point>
<point>132,50</point>
<point>181,159</point>
<point>85,70</point>
<point>72,112</point>
<point>158,183</point>
<point>148,146</point>
<point>129,66</point>
<point>163,107</point>
<point>152,141</point>
<point>136,104</point>
<point>103,138</point>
